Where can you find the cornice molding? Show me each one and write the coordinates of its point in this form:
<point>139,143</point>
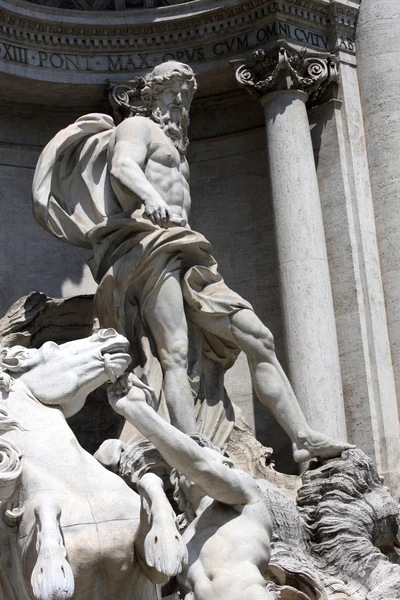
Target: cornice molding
<point>124,29</point>
<point>68,46</point>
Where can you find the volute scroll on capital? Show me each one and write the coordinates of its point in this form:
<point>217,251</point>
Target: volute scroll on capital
<point>284,68</point>
<point>125,99</point>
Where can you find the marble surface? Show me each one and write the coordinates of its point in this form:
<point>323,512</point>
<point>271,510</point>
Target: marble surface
<point>170,513</point>
<point>166,273</point>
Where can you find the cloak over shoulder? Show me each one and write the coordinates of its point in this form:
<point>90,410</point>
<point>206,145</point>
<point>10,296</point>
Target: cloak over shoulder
<point>71,188</point>
<point>74,201</point>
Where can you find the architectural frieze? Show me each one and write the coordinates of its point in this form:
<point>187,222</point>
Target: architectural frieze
<point>170,30</point>
<point>87,41</point>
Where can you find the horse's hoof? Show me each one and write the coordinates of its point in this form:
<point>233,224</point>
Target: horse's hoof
<point>52,577</point>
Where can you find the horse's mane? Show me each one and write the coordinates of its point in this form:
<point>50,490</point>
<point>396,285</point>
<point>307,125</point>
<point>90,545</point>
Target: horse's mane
<point>10,467</point>
<point>10,362</point>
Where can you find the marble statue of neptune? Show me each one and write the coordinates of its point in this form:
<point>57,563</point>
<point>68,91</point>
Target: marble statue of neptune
<point>124,192</point>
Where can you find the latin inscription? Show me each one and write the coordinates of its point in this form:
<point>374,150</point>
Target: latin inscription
<point>146,60</point>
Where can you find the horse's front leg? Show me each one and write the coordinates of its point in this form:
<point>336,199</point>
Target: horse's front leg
<point>159,543</point>
<point>52,577</point>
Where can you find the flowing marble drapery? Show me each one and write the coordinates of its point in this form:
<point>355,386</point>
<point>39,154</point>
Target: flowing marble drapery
<point>74,201</point>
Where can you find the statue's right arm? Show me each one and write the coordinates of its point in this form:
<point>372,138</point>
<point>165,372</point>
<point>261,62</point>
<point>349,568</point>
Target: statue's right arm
<point>226,485</point>
<point>128,156</point>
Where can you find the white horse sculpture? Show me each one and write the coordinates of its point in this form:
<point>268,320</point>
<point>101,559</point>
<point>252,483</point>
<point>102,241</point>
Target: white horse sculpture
<point>70,528</point>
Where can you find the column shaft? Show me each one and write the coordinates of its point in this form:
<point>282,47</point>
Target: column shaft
<point>378,55</point>
<point>378,30</point>
<point>309,320</point>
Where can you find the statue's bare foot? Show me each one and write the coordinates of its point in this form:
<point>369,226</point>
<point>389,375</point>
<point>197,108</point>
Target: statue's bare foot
<point>317,445</point>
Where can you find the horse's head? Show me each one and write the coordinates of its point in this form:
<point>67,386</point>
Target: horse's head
<point>65,374</point>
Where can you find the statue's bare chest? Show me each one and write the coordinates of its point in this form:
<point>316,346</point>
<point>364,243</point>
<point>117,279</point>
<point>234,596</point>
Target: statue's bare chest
<point>163,152</point>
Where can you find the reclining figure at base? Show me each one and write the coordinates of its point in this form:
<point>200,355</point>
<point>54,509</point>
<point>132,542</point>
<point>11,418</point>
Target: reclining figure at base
<point>228,537</point>
<point>343,535</point>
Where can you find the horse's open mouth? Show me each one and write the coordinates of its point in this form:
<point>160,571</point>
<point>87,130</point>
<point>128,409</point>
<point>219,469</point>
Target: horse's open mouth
<point>115,348</point>
<point>116,359</point>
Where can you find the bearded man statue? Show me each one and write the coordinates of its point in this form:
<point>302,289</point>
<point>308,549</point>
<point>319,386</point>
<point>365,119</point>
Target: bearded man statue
<point>124,192</point>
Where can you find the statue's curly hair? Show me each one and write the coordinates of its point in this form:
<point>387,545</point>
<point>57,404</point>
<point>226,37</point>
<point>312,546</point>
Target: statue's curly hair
<point>163,73</point>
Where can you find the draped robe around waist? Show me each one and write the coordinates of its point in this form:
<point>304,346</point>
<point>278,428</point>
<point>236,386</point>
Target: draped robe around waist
<point>75,202</point>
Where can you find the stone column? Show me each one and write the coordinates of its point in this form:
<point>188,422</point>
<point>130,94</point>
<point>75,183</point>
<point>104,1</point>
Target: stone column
<point>284,81</point>
<point>378,56</point>
<point>378,51</point>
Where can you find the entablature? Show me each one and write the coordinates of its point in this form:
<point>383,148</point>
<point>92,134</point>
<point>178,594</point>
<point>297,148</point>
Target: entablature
<point>85,46</point>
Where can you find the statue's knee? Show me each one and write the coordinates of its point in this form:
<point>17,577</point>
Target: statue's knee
<point>175,357</point>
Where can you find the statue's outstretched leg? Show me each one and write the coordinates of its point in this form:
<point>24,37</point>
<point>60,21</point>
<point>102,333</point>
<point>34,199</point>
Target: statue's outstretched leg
<point>52,577</point>
<point>274,390</point>
<point>270,383</point>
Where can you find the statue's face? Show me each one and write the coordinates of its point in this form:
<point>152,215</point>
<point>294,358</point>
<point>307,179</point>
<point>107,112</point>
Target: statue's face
<point>65,374</point>
<point>175,97</point>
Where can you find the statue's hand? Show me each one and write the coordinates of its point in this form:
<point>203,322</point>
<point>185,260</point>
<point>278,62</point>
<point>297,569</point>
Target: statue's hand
<point>127,390</point>
<point>158,212</point>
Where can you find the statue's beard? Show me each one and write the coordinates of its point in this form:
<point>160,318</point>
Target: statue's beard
<point>175,129</point>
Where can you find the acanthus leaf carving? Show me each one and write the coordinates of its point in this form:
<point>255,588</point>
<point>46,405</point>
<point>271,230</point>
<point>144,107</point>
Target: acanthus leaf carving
<point>260,73</point>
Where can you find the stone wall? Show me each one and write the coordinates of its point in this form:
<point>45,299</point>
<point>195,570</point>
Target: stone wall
<point>31,258</point>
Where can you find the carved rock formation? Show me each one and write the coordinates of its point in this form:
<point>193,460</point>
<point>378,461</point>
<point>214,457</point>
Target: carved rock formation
<point>353,526</point>
<point>36,318</point>
<point>337,541</point>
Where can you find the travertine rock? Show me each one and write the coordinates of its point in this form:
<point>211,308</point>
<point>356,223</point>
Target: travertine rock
<point>36,318</point>
<point>353,524</point>
<point>340,539</point>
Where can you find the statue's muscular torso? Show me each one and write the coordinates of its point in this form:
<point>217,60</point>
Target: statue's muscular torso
<point>228,549</point>
<point>139,141</point>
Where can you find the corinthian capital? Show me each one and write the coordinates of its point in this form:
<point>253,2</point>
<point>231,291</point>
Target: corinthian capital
<point>285,68</point>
